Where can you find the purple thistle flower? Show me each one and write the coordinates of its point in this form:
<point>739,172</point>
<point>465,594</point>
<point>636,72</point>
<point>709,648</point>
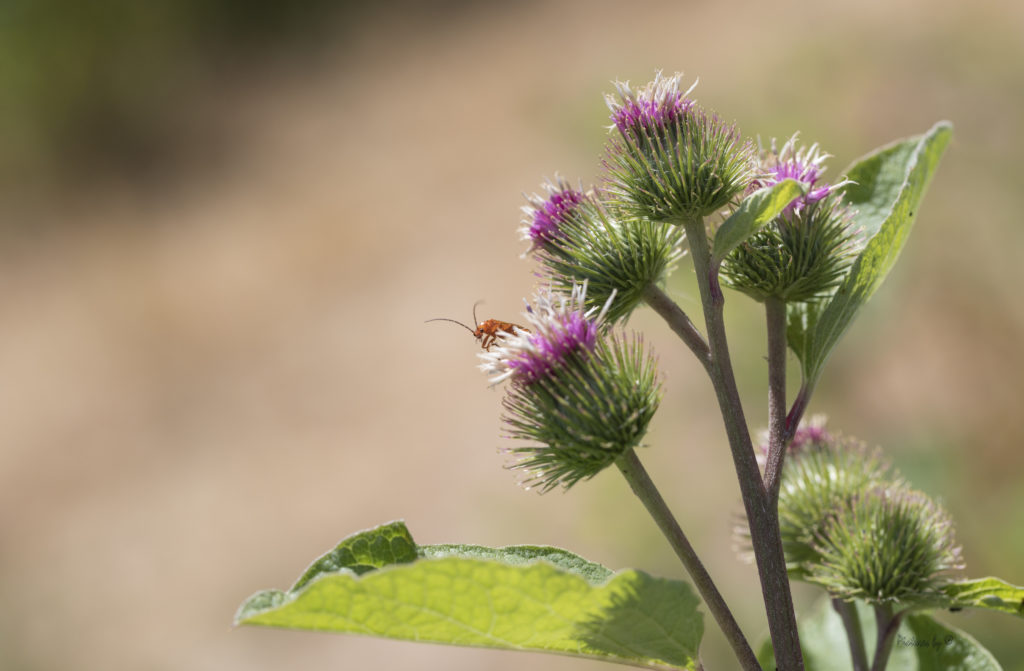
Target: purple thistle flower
<point>559,327</point>
<point>658,105</point>
<point>543,216</point>
<point>803,165</point>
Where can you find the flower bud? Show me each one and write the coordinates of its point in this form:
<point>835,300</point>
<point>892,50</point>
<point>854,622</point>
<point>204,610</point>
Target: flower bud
<point>822,473</point>
<point>670,160</point>
<point>582,396</point>
<point>887,545</point>
<point>616,255</point>
<point>805,251</point>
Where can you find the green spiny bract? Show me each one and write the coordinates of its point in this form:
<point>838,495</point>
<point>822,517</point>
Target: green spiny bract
<point>889,545</point>
<point>584,414</point>
<point>819,478</point>
<point>615,255</point>
<point>672,161</point>
<point>801,255</point>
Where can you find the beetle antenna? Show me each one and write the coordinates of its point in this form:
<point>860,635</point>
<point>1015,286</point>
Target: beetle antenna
<point>445,319</point>
<point>475,322</point>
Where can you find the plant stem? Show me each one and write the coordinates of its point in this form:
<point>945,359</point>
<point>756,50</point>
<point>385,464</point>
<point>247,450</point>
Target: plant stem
<point>679,322</point>
<point>887,624</point>
<point>848,613</point>
<point>641,484</point>
<point>761,517</point>
<point>796,412</point>
<point>775,314</point>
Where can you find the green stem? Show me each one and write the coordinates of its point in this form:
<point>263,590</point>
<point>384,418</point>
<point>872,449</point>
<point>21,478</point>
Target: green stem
<point>679,322</point>
<point>854,634</point>
<point>887,625</point>
<point>775,313</point>
<point>641,484</point>
<point>762,518</point>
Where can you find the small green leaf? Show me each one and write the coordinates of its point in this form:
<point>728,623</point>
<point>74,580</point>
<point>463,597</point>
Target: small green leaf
<point>922,644</point>
<point>986,593</point>
<point>365,551</point>
<point>889,185</point>
<point>755,211</point>
<point>517,598</point>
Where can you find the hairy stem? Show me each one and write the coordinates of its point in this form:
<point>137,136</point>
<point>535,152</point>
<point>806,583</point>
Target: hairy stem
<point>775,313</point>
<point>762,518</point>
<point>641,484</point>
<point>848,613</point>
<point>888,624</point>
<point>679,322</point>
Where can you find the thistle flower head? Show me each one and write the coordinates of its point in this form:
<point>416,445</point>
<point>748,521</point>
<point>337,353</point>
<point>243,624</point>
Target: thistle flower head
<point>887,545</point>
<point>611,251</point>
<point>803,254</point>
<point>543,217</point>
<point>850,523</point>
<point>559,327</point>
<point>579,394</point>
<point>822,472</point>
<point>817,480</point>
<point>671,161</point>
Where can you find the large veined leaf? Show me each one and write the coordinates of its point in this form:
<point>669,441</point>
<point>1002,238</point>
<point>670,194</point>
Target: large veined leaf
<point>922,644</point>
<point>886,191</point>
<point>379,583</point>
<point>754,212</point>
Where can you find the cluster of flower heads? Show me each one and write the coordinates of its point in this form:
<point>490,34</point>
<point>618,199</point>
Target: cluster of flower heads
<point>669,162</point>
<point>851,524</point>
<point>581,395</point>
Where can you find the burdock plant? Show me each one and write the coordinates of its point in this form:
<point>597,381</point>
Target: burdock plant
<point>580,391</point>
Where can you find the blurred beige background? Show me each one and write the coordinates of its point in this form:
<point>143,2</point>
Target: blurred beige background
<point>216,257</point>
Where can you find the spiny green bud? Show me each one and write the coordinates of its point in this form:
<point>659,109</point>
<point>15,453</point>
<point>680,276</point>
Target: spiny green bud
<point>887,545</point>
<point>805,251</point>
<point>582,395</point>
<point>671,160</point>
<point>614,254</point>
<point>822,473</point>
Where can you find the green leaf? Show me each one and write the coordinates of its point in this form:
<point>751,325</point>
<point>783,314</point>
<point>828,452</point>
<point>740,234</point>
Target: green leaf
<point>987,594</point>
<point>363,552</point>
<point>922,644</point>
<point>593,573</point>
<point>517,598</point>
<point>755,211</point>
<point>890,184</point>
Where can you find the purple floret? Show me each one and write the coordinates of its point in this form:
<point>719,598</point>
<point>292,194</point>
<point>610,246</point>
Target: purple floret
<point>554,211</point>
<point>648,115</point>
<point>805,173</point>
<point>551,347</point>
